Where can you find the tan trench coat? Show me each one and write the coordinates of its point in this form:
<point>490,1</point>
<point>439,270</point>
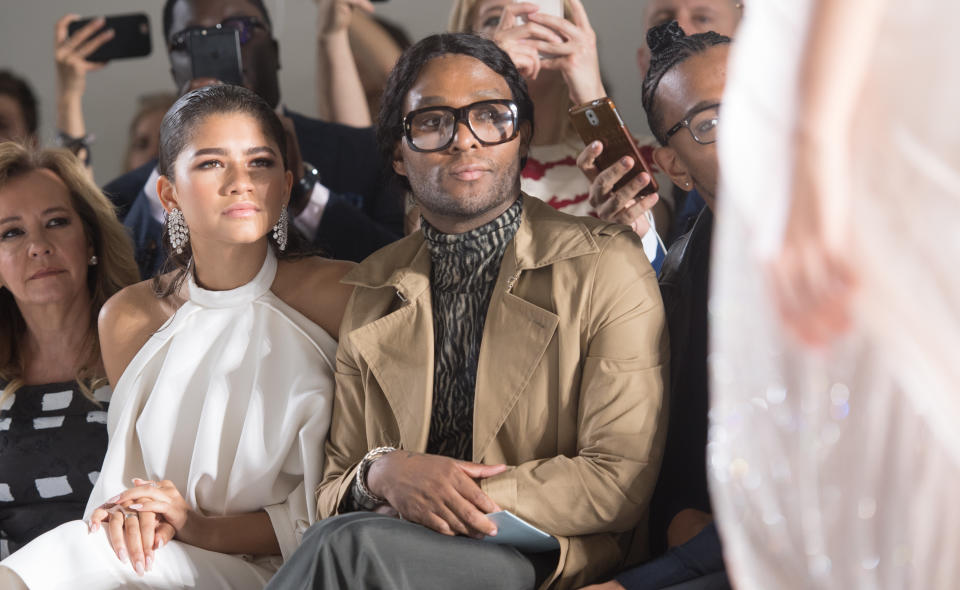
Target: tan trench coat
<point>570,382</point>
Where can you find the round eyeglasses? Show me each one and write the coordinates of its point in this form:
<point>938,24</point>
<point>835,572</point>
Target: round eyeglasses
<point>243,25</point>
<point>701,122</point>
<point>432,129</point>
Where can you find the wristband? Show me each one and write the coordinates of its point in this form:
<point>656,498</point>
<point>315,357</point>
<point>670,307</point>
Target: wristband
<point>365,498</point>
<point>302,189</point>
<point>311,176</point>
<point>75,144</point>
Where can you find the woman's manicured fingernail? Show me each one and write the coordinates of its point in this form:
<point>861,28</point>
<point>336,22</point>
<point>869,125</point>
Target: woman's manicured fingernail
<point>595,144</point>
<point>122,555</point>
<point>139,568</point>
<point>114,499</point>
<point>149,562</point>
<point>625,160</point>
<point>135,506</point>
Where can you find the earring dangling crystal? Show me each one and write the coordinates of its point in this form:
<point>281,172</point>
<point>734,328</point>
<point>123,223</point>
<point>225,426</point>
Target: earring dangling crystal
<point>93,261</point>
<point>280,230</point>
<point>177,229</point>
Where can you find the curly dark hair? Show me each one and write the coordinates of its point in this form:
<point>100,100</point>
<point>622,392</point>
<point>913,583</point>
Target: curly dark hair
<point>670,47</point>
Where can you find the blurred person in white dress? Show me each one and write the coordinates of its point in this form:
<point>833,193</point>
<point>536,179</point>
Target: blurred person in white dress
<point>222,372</point>
<point>834,453</point>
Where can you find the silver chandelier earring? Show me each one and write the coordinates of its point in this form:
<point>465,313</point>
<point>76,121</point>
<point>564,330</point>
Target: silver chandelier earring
<point>280,230</point>
<point>177,230</point>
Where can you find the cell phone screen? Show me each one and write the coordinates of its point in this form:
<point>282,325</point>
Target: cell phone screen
<point>216,54</point>
<point>131,36</point>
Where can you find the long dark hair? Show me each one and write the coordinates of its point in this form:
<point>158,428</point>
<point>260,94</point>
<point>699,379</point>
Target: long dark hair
<point>177,129</point>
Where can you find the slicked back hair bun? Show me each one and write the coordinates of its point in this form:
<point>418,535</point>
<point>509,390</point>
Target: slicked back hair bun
<point>660,37</point>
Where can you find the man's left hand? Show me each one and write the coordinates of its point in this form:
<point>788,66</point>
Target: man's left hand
<point>438,492</point>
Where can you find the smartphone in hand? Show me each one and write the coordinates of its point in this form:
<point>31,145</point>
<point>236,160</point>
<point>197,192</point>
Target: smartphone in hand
<point>600,121</point>
<point>552,7</point>
<point>215,53</point>
<point>513,530</point>
<point>131,36</point>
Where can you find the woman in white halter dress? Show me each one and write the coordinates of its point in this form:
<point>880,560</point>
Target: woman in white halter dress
<point>229,400</point>
<point>838,466</point>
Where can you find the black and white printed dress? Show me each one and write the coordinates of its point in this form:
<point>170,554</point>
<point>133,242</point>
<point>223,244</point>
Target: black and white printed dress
<point>52,442</point>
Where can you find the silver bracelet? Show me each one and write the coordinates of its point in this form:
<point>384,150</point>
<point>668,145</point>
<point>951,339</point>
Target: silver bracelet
<point>365,498</point>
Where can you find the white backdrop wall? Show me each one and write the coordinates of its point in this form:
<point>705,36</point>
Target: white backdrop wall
<point>26,46</point>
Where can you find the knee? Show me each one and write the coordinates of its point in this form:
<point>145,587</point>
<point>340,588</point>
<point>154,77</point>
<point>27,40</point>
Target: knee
<point>345,531</point>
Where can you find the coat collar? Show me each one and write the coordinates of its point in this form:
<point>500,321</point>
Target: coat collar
<point>545,236</point>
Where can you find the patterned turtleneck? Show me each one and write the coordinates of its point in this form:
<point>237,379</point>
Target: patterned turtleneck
<point>463,273</point>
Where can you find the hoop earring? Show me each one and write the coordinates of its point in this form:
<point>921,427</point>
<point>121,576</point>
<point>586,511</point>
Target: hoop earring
<point>177,230</point>
<point>280,230</point>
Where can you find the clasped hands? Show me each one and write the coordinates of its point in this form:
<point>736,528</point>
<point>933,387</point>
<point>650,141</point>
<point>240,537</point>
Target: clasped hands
<point>438,492</point>
<point>142,519</point>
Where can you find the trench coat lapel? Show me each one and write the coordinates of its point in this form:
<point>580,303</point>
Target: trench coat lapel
<point>515,335</point>
<point>398,349</point>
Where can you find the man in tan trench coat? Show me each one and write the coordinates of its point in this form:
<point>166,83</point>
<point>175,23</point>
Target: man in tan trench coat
<point>506,357</point>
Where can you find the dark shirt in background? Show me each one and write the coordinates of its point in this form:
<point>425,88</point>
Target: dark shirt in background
<point>52,443</point>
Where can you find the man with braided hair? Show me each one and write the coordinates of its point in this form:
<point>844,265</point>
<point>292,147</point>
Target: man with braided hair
<point>681,95</point>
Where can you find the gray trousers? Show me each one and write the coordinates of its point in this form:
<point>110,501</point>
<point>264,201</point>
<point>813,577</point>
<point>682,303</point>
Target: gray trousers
<point>367,550</point>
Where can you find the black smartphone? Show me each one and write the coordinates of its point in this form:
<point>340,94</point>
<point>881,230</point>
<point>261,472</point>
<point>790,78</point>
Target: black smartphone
<point>216,54</point>
<point>131,36</point>
<point>600,121</point>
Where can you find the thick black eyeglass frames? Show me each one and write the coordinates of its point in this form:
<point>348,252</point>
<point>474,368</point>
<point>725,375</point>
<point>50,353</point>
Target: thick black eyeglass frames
<point>432,129</point>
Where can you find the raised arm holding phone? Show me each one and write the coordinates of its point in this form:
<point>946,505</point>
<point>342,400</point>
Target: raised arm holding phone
<point>71,53</point>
